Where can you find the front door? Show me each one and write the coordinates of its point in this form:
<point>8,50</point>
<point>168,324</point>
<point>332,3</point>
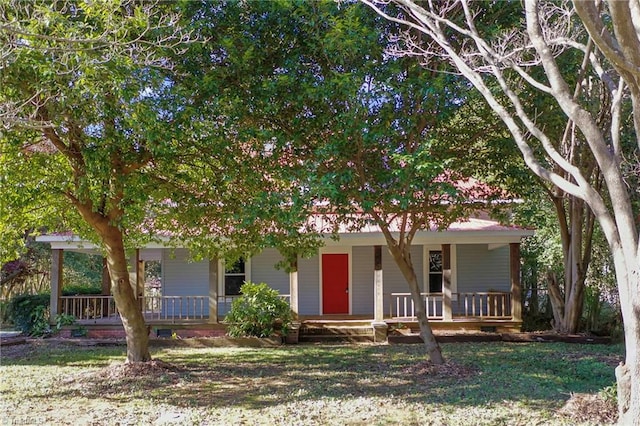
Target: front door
<point>335,283</point>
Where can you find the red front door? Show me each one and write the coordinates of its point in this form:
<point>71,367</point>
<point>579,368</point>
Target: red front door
<point>335,283</point>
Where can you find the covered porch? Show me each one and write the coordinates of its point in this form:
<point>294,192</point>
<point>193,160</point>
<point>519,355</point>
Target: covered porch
<point>451,310</point>
<point>101,309</point>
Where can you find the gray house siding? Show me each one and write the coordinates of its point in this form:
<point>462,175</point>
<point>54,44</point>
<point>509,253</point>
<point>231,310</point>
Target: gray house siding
<point>362,281</point>
<point>263,270</point>
<point>308,286</point>
<point>180,277</point>
<point>481,269</point>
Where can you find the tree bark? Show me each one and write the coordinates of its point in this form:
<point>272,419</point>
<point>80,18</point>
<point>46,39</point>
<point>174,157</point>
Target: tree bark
<point>402,257</point>
<point>628,373</point>
<point>137,333</point>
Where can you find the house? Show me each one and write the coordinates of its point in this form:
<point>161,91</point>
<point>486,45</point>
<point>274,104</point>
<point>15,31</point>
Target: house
<point>469,273</point>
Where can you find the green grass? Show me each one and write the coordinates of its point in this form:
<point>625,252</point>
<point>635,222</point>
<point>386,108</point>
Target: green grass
<point>507,383</point>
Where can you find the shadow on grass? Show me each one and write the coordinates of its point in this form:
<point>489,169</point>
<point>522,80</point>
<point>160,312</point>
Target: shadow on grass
<point>536,375</point>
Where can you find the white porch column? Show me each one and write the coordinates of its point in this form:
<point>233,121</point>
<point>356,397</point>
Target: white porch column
<point>57,258</point>
<point>293,288</point>
<point>446,283</point>
<point>516,288</point>
<point>213,291</point>
<point>378,286</point>
<point>380,327</point>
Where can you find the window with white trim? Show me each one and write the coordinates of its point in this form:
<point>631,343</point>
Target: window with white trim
<point>235,275</point>
<point>435,271</point>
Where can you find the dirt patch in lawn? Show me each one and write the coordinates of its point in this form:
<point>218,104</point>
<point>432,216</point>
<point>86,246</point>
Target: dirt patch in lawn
<point>119,377</point>
<point>583,407</point>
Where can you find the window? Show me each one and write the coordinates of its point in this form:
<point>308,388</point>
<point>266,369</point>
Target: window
<point>435,271</point>
<point>234,277</point>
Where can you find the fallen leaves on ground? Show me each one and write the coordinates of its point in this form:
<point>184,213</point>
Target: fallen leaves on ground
<point>584,407</point>
<point>448,369</point>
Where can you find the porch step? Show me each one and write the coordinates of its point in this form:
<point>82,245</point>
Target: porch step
<point>336,332</point>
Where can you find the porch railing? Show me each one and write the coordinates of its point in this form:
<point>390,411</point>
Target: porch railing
<point>154,308</point>
<point>484,304</point>
<point>401,305</point>
<point>89,307</point>
<point>473,305</point>
<point>175,308</point>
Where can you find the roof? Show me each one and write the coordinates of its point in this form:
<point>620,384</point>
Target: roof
<point>474,230</point>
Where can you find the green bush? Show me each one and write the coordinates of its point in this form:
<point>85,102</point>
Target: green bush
<point>258,312</point>
<point>30,313</point>
<point>80,289</point>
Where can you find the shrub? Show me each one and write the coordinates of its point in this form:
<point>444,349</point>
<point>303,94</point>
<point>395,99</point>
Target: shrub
<point>257,312</point>
<point>29,313</point>
<point>79,289</point>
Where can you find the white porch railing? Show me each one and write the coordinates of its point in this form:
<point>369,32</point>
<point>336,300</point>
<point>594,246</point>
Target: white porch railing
<point>492,304</point>
<point>175,308</point>
<point>401,305</point>
<point>89,307</point>
<point>154,308</point>
<point>472,305</point>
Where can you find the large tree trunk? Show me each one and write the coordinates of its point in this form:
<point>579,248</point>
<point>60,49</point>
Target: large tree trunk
<point>136,331</point>
<point>576,234</point>
<point>628,373</point>
<point>402,257</point>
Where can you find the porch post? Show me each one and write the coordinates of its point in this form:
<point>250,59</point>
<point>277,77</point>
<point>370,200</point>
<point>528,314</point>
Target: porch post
<point>293,288</point>
<point>139,275</point>
<point>293,336</point>
<point>379,326</point>
<point>106,279</point>
<point>516,288</point>
<point>133,272</point>
<point>446,282</point>
<point>378,286</point>
<point>213,291</point>
<point>106,287</point>
<point>57,258</point>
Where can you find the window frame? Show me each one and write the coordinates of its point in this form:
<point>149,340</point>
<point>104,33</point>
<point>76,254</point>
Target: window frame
<point>223,275</point>
<point>426,248</point>
<point>434,273</point>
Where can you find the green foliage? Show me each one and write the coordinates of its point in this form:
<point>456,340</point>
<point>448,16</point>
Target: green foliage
<point>258,312</point>
<point>610,394</point>
<point>40,322</point>
<point>83,270</point>
<point>81,288</point>
<point>29,313</point>
<point>64,320</point>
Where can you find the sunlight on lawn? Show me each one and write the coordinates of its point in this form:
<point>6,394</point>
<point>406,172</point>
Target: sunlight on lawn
<point>495,383</point>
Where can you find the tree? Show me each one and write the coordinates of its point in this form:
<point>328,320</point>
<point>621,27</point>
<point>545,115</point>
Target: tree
<point>491,59</point>
<point>82,98</point>
<point>104,135</point>
<point>356,130</point>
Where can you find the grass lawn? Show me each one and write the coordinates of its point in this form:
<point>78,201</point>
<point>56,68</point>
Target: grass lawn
<point>485,383</point>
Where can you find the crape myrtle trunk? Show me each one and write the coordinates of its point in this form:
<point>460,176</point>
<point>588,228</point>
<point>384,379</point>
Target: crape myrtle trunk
<point>402,256</point>
<point>137,333</point>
